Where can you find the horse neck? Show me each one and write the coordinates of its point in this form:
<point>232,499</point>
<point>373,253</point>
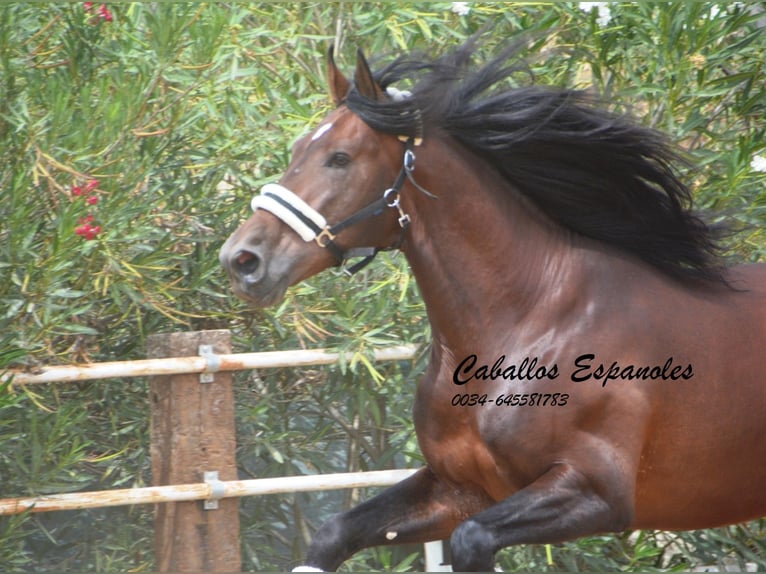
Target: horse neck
<point>480,254</point>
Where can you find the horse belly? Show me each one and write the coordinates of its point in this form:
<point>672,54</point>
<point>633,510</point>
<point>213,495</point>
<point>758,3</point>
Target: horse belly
<point>705,467</point>
<point>703,463</point>
<point>683,505</point>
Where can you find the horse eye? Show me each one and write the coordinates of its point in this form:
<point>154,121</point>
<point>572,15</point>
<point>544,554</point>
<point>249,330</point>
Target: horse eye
<point>338,159</point>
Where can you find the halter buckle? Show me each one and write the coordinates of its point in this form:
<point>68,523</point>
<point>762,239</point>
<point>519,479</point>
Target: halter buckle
<point>324,237</point>
<point>409,161</point>
<point>391,196</point>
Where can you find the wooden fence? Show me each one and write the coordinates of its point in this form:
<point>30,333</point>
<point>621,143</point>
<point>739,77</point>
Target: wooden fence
<point>193,448</point>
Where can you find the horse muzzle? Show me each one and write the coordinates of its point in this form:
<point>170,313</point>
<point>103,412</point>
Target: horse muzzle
<point>254,276</point>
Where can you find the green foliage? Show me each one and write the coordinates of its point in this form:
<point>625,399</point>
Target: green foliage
<point>179,112</point>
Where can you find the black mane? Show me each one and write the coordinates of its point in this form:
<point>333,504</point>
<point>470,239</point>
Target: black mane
<point>596,173</point>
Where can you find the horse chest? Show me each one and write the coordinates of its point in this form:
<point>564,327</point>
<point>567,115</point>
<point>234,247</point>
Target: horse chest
<point>463,446</point>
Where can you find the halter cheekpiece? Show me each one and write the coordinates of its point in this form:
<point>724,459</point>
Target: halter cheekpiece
<point>312,226</point>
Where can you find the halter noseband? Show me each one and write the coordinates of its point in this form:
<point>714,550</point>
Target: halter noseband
<point>312,226</point>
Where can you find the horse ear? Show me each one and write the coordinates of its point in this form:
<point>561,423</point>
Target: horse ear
<point>365,83</point>
<point>339,84</point>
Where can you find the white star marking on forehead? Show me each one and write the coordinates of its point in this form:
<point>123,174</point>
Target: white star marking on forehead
<point>322,130</point>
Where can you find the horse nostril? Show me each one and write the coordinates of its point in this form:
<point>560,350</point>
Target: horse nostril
<point>247,262</point>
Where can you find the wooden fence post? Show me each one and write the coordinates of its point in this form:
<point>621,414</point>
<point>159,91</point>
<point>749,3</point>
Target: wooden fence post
<point>192,432</point>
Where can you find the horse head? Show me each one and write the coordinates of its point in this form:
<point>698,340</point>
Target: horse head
<point>337,200</point>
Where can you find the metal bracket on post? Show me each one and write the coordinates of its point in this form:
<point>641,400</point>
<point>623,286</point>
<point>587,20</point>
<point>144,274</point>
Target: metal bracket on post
<point>217,489</point>
<point>212,366</point>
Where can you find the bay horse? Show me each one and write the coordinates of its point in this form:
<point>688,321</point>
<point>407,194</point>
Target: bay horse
<point>595,366</point>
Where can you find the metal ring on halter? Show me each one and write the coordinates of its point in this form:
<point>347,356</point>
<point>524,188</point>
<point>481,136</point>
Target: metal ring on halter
<point>387,197</point>
<point>324,238</point>
<point>409,161</point>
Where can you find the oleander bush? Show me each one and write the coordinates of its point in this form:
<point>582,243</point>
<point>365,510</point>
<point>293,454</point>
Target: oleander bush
<point>133,136</point>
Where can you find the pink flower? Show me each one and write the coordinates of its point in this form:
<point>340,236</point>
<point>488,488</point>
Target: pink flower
<point>87,231</point>
<point>104,12</point>
<point>88,6</point>
<point>86,227</point>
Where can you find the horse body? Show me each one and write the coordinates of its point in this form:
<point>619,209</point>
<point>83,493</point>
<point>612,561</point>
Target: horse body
<point>588,300</point>
<point>573,388</point>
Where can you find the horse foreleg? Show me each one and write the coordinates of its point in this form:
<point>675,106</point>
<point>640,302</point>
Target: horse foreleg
<point>561,505</point>
<point>418,509</point>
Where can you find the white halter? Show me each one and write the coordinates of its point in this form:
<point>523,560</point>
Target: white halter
<point>277,199</point>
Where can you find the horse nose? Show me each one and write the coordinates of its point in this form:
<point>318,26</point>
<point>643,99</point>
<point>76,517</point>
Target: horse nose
<point>244,263</point>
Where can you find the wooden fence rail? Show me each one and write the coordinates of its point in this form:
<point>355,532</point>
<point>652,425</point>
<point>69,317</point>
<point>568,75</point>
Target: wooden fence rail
<point>193,364</point>
<point>211,491</point>
<point>193,447</point>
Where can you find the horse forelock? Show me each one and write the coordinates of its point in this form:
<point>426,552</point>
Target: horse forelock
<point>597,173</point>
